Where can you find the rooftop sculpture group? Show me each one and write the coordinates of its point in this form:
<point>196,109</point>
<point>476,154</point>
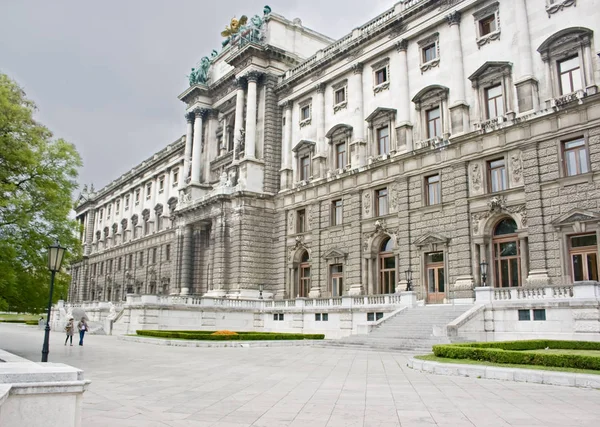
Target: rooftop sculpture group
<point>239,30</point>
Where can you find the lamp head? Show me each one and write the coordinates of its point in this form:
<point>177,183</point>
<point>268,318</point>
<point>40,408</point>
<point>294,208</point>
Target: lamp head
<point>56,254</point>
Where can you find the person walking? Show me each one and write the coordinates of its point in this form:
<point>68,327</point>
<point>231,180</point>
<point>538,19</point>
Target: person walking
<point>70,331</point>
<point>82,327</point>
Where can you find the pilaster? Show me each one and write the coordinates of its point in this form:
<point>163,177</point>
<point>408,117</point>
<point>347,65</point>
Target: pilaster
<point>458,107</point>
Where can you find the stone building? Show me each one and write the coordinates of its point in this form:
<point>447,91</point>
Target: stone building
<point>441,144</point>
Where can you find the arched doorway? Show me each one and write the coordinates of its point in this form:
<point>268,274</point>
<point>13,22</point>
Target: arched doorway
<point>507,254</point>
<point>387,267</point>
<point>304,275</point>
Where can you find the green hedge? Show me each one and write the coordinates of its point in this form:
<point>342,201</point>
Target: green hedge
<point>14,321</point>
<point>242,336</point>
<point>515,352</point>
<point>32,322</point>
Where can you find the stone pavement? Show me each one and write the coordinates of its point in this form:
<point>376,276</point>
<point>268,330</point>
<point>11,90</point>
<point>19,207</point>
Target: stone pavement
<point>146,385</point>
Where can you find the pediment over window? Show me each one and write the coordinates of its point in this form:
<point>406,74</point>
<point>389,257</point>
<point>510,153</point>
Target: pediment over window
<point>430,94</point>
<point>335,253</point>
<point>575,216</point>
<point>339,129</point>
<point>431,239</point>
<point>564,41</point>
<point>304,144</point>
<point>489,72</point>
<point>381,112</point>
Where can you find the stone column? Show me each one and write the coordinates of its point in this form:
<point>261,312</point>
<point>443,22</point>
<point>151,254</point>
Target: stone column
<point>187,157</point>
<point>320,159</point>
<point>251,108</point>
<point>404,126</point>
<point>526,84</point>
<point>459,110</point>
<point>197,147</point>
<point>359,155</point>
<point>286,152</point>
<point>186,260</point>
<point>239,117</point>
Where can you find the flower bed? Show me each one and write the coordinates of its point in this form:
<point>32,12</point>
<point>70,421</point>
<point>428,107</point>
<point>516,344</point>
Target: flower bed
<point>519,353</point>
<point>239,336</point>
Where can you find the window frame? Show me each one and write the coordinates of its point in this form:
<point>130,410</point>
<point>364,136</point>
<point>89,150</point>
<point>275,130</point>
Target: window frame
<point>148,187</point>
<point>490,173</point>
<point>343,164</point>
<point>583,251</point>
<point>491,13</point>
<point>337,209</point>
<point>301,221</point>
<point>432,42</point>
<point>438,191</point>
<point>304,169</point>
<point>486,95</point>
<point>383,67</point>
<point>175,176</point>
<point>564,151</point>
<point>303,106</point>
<point>161,184</point>
<point>334,279</point>
<point>560,74</point>
<point>435,120</point>
<point>388,141</point>
<point>377,199</point>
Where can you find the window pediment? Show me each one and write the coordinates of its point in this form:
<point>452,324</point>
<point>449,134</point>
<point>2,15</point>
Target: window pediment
<point>433,94</point>
<point>381,113</point>
<point>335,253</point>
<point>490,72</point>
<point>304,145</point>
<point>431,239</point>
<point>340,129</point>
<point>576,216</point>
<point>565,41</point>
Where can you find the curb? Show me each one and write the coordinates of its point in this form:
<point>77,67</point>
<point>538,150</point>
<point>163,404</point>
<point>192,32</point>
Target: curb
<point>218,344</point>
<point>565,379</point>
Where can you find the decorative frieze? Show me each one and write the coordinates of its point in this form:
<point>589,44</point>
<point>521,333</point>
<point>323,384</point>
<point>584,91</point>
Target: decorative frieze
<point>558,5</point>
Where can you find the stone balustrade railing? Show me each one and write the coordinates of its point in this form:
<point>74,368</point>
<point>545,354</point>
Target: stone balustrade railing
<point>588,289</point>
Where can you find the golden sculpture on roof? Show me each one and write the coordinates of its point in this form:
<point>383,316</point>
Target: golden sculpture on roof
<point>234,26</point>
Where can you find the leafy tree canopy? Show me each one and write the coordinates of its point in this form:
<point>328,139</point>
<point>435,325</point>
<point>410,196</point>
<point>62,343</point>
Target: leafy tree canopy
<point>37,178</point>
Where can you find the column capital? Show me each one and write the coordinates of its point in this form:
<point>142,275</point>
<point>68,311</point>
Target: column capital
<point>402,45</point>
<point>240,83</point>
<point>189,116</point>
<point>320,87</point>
<point>253,76</point>
<point>357,68</point>
<point>287,104</point>
<point>453,18</point>
<point>201,112</point>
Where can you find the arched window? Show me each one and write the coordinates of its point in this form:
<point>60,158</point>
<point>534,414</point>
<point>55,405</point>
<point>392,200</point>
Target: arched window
<point>387,267</point>
<point>304,276</point>
<point>507,254</point>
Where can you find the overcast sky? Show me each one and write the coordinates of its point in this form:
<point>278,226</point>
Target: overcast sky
<point>105,75</point>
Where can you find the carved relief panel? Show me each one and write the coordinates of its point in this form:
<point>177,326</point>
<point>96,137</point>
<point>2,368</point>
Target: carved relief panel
<point>367,204</point>
<point>476,171</point>
<point>515,165</point>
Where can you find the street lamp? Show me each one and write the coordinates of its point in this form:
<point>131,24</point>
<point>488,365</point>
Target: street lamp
<point>260,290</point>
<point>55,258</point>
<point>408,279</point>
<point>484,272</point>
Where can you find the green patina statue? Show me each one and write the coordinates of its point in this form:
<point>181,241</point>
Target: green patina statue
<point>199,75</point>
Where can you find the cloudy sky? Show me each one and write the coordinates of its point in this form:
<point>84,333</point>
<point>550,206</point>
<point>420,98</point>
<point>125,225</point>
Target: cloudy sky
<point>105,75</point>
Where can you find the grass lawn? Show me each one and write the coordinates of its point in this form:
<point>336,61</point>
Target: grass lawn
<point>432,358</point>
<point>21,316</point>
<point>595,353</point>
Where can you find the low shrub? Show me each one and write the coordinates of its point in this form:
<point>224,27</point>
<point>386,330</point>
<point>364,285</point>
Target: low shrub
<point>515,352</point>
<point>224,333</point>
<point>31,322</point>
<point>245,336</point>
<point>14,321</point>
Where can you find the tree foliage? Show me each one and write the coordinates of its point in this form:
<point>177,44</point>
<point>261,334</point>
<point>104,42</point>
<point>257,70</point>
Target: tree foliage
<point>37,179</point>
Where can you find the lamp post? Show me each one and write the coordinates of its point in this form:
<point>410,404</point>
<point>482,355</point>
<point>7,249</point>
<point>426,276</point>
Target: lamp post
<point>260,290</point>
<point>484,271</point>
<point>408,279</point>
<point>55,258</point>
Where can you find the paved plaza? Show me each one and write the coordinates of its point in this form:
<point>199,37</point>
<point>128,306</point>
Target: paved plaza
<point>137,384</point>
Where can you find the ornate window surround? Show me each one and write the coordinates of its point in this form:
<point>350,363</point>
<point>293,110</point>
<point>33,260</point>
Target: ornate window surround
<point>340,133</point>
<point>302,149</point>
<point>491,9</point>
<point>379,118</point>
<point>491,74</point>
<point>301,106</point>
<point>342,85</point>
<point>570,42</point>
<point>427,98</point>
<point>424,43</point>
<point>584,177</point>
<point>378,66</point>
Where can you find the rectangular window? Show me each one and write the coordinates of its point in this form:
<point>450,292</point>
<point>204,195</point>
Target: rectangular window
<point>304,168</point>
<point>434,123</point>
<point>161,184</point>
<point>94,269</point>
<point>127,202</point>
<point>539,314</point>
<point>154,253</point>
<point>137,196</point>
<point>305,113</point>
<point>175,177</point>
<point>487,25</point>
<point>429,53</point>
<point>148,190</point>
<point>168,252</point>
<point>524,315</point>
<point>570,75</point>
<point>101,213</point>
<point>575,157</point>
<point>120,264</point>
<point>337,280</point>
<point>130,263</point>
<point>109,266</point>
<point>494,101</point>
<point>278,317</point>
<point>301,221</point>
<point>381,202</point>
<point>434,195</point>
<point>370,317</point>
<point>118,207</point>
<point>497,175</point>
<point>108,211</point>
<point>383,140</point>
<point>340,95</point>
<point>583,251</point>
<point>102,268</point>
<point>141,259</point>
<point>340,155</point>
<point>337,212</point>
<point>381,76</point>
<point>317,317</point>
<point>325,317</point>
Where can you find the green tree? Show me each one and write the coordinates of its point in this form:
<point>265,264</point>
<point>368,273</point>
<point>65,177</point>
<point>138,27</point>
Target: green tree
<point>37,179</point>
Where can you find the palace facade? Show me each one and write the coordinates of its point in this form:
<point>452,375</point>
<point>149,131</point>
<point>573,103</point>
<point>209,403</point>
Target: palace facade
<point>443,144</point>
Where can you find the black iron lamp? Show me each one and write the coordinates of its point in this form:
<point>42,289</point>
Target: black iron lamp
<point>56,254</point>
<point>484,272</point>
<point>408,274</point>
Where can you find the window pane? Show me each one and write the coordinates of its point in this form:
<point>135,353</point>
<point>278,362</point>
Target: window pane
<point>576,76</point>
<point>524,315</point>
<point>539,314</point>
<point>436,257</point>
<point>508,249</point>
<point>571,162</point>
<point>433,114</point>
<point>429,53</point>
<point>582,241</point>
<point>514,272</point>
<point>592,267</point>
<point>583,164</point>
<point>578,268</point>
<point>441,287</point>
<point>431,280</point>
<point>389,262</point>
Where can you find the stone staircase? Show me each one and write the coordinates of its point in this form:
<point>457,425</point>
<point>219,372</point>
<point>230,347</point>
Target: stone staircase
<point>414,329</point>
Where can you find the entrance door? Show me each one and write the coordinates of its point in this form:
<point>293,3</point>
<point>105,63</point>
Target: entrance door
<point>436,283</point>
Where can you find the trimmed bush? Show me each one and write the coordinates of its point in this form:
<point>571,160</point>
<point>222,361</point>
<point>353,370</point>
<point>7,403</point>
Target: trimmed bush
<point>244,336</point>
<point>31,322</point>
<point>15,321</point>
<point>515,352</point>
<point>224,333</point>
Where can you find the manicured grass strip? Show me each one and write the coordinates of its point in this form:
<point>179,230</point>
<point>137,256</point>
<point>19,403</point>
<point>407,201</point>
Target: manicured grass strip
<point>242,336</point>
<point>514,352</point>
<point>433,358</point>
<point>18,316</point>
<point>595,353</point>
